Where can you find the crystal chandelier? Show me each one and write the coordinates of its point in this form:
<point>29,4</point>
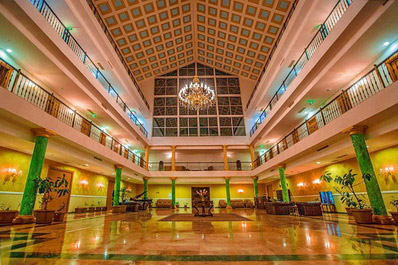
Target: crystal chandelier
<point>196,95</point>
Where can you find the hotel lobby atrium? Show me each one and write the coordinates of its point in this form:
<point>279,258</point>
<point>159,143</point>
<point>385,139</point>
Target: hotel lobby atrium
<point>198,132</point>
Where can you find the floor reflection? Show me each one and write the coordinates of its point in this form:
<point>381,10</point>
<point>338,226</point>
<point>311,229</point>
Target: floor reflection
<point>140,238</point>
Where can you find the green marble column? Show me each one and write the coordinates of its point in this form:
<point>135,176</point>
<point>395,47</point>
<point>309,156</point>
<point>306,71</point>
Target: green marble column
<point>146,188</point>
<point>365,164</point>
<point>173,192</point>
<point>285,191</point>
<point>36,165</point>
<point>228,192</point>
<point>116,191</point>
<point>35,168</point>
<point>255,182</point>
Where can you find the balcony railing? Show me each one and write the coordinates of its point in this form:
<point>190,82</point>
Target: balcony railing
<point>65,34</point>
<point>324,30</point>
<point>199,166</point>
<point>116,48</point>
<point>378,78</point>
<point>19,84</point>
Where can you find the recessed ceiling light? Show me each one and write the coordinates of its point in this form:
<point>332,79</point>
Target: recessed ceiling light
<point>386,43</point>
<point>318,162</point>
<point>9,50</point>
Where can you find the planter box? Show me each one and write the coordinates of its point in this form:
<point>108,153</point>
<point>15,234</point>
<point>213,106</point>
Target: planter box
<point>362,216</point>
<point>44,216</point>
<point>80,210</point>
<point>6,217</point>
<point>59,217</point>
<point>349,211</point>
<point>104,209</point>
<point>91,209</point>
<point>98,208</point>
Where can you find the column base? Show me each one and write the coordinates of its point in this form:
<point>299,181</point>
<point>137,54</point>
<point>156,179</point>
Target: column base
<point>383,219</point>
<point>229,208</point>
<point>24,219</point>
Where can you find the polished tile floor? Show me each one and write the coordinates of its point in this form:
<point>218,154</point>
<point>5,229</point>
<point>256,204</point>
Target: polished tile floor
<point>139,238</point>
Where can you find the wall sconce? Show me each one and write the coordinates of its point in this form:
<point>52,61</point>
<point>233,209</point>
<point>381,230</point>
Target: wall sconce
<point>389,173</point>
<point>316,181</point>
<point>99,185</point>
<point>240,190</point>
<point>11,174</point>
<point>301,184</point>
<point>84,182</point>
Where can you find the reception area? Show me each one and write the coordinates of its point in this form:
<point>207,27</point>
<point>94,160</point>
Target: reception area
<point>198,132</point>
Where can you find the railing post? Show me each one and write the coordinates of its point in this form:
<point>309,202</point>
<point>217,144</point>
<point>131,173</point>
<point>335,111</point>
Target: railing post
<point>306,54</point>
<point>323,117</point>
<point>379,76</point>
<point>74,118</point>
<point>16,80</point>
<point>84,58</point>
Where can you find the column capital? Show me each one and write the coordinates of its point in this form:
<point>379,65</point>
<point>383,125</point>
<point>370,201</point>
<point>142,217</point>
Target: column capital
<point>356,129</point>
<point>227,177</point>
<point>173,178</point>
<point>173,147</point>
<point>282,165</point>
<point>146,178</point>
<point>255,177</point>
<point>118,166</point>
<point>43,132</point>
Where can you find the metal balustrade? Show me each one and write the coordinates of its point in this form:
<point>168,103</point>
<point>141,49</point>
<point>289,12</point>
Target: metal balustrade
<point>324,30</point>
<point>65,34</point>
<point>199,166</point>
<point>19,84</point>
<point>378,78</point>
<point>116,48</point>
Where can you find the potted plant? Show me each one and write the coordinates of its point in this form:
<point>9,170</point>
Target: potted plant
<point>91,208</point>
<point>185,206</point>
<point>98,208</point>
<point>177,205</point>
<point>60,214</point>
<point>395,214</point>
<point>45,187</point>
<point>359,209</point>
<point>7,215</point>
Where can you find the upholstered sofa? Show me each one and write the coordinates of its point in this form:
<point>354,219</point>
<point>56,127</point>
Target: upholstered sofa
<point>248,203</point>
<point>237,204</point>
<point>309,208</point>
<point>277,208</point>
<point>163,203</point>
<point>222,204</point>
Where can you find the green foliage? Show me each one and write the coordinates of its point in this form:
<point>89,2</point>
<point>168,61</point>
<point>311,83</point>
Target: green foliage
<point>395,203</point>
<point>124,192</point>
<point>46,186</point>
<point>346,189</point>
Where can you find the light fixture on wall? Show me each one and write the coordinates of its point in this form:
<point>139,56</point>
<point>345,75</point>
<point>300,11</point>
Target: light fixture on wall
<point>99,185</point>
<point>301,184</point>
<point>389,173</point>
<point>84,182</point>
<point>240,190</point>
<point>11,174</point>
<point>316,181</point>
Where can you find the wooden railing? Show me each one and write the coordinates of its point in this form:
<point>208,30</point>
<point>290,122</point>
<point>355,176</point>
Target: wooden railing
<point>335,15</point>
<point>65,34</point>
<point>383,75</point>
<point>200,166</point>
<point>19,84</point>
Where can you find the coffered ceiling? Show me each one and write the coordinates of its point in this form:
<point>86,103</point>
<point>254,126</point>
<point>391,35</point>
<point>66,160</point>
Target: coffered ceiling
<point>157,36</point>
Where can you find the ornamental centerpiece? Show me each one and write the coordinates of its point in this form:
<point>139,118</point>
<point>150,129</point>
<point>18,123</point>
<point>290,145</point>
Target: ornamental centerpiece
<point>196,96</point>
